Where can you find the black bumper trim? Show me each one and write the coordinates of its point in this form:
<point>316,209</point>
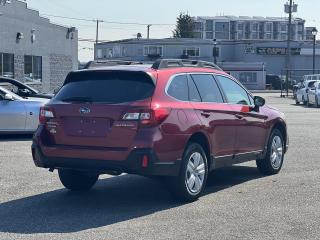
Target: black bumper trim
<point>132,165</point>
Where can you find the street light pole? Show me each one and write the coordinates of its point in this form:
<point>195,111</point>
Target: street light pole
<point>314,34</point>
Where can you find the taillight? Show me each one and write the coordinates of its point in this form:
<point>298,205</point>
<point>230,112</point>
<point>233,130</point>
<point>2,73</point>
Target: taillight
<point>147,117</point>
<point>45,113</point>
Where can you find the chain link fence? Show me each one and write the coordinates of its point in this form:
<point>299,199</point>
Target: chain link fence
<point>296,76</point>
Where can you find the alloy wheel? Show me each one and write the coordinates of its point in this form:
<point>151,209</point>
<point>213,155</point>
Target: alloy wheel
<point>195,173</point>
<point>276,152</point>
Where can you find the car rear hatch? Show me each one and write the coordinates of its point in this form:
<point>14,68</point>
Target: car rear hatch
<point>89,109</point>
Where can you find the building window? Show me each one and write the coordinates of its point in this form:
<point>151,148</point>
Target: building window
<point>198,26</point>
<point>153,50</point>
<point>254,36</point>
<point>7,65</point>
<point>222,30</point>
<point>268,27</point>
<point>240,26</point>
<point>284,36</point>
<point>124,51</point>
<point>99,54</point>
<point>109,53</point>
<point>209,25</point>
<point>197,34</point>
<point>248,77</point>
<point>32,68</point>
<point>268,36</point>
<point>255,27</point>
<point>192,51</point>
<point>209,35</point>
<point>284,27</point>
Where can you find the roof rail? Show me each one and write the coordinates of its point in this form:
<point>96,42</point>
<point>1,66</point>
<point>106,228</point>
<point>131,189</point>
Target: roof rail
<point>107,63</point>
<point>171,63</point>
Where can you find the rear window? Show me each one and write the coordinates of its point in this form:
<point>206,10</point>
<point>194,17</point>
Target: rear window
<point>106,87</point>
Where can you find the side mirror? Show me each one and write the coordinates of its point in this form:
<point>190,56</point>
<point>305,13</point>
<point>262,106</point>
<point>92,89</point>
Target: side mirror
<point>8,97</point>
<point>24,92</point>
<point>259,101</point>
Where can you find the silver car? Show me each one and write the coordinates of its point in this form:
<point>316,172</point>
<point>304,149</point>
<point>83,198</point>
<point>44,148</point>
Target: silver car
<point>302,91</point>
<point>17,114</point>
<point>314,95</point>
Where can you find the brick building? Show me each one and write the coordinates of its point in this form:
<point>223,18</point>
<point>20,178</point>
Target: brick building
<point>34,50</point>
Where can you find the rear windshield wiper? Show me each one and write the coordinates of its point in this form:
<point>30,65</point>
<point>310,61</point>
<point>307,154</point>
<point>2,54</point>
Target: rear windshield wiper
<point>77,99</point>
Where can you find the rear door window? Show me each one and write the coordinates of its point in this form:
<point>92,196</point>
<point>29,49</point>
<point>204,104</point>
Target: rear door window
<point>106,87</point>
<point>207,87</point>
<point>194,95</point>
<point>235,94</point>
<point>310,84</point>
<point>178,88</point>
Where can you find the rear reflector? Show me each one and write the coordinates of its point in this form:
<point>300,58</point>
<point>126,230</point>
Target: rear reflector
<point>145,161</point>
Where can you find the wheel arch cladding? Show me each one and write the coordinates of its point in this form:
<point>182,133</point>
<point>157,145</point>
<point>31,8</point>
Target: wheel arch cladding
<point>201,139</point>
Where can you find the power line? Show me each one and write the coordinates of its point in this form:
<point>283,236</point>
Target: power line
<point>107,21</point>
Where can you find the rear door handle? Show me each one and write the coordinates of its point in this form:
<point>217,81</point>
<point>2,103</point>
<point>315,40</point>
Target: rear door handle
<point>239,116</point>
<point>205,114</point>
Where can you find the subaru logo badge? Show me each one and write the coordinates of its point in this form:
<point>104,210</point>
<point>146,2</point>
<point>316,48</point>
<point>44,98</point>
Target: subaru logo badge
<point>84,110</point>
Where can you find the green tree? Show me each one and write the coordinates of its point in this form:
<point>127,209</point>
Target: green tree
<point>184,26</point>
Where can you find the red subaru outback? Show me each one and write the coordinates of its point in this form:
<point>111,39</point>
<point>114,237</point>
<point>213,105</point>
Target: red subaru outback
<point>176,118</point>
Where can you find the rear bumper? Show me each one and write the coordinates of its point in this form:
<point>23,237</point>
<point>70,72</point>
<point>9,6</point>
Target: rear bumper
<point>132,164</point>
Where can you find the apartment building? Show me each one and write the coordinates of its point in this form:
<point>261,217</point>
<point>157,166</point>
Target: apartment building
<point>247,28</point>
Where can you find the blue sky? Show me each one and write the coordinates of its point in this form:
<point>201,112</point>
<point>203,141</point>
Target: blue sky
<point>164,11</point>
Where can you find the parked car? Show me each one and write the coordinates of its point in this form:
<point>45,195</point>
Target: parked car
<point>295,89</point>
<point>301,93</point>
<point>314,95</point>
<point>22,89</point>
<point>274,81</point>
<point>177,118</point>
<point>17,114</point>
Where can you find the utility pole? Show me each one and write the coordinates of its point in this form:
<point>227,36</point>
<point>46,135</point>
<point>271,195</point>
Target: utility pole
<point>289,8</point>
<point>148,31</point>
<point>97,30</point>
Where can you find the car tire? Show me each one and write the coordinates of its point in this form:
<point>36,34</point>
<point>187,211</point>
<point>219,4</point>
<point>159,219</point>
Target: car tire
<point>297,102</point>
<point>304,101</point>
<point>77,180</point>
<point>189,185</point>
<point>273,161</point>
<point>308,102</point>
<point>316,104</point>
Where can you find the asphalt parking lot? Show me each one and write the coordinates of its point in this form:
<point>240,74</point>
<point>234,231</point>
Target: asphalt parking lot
<point>239,203</point>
